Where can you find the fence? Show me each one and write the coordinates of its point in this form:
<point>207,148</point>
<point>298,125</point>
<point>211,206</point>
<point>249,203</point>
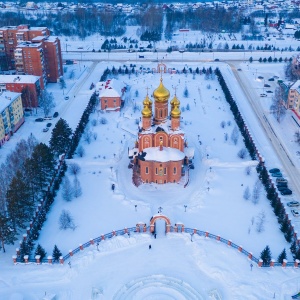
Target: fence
<point>96,241</point>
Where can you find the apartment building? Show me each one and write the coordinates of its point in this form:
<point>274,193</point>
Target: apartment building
<point>11,36</point>
<point>31,50</point>
<point>11,115</point>
<point>28,85</point>
<point>294,98</point>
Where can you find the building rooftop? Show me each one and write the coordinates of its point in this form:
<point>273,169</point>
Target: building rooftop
<point>19,78</point>
<point>296,86</point>
<point>6,98</point>
<point>29,45</point>
<point>164,155</point>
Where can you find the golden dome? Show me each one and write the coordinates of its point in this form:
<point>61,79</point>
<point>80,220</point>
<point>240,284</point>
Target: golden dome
<point>146,112</point>
<point>147,101</point>
<point>161,94</point>
<point>175,101</point>
<point>175,112</point>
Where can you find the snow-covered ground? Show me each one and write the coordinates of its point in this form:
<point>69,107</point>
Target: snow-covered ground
<point>175,267</point>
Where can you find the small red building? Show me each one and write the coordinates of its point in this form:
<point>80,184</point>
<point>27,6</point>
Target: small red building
<point>110,94</point>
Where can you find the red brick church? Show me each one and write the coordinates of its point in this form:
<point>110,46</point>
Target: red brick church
<point>161,152</point>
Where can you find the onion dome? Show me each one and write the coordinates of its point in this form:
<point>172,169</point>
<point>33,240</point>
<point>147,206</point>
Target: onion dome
<point>146,112</point>
<point>161,94</point>
<point>175,101</point>
<point>147,101</point>
<point>175,112</point>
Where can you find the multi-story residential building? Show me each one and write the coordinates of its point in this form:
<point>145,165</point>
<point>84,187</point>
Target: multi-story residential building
<point>29,85</point>
<point>294,98</point>
<point>11,115</point>
<point>11,36</point>
<point>31,50</point>
<point>30,59</point>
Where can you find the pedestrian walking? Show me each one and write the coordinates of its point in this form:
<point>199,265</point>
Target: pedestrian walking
<point>149,247</point>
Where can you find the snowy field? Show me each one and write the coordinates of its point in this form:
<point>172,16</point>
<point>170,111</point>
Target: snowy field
<point>175,267</point>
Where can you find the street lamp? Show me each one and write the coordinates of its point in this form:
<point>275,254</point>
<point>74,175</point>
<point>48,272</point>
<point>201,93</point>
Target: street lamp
<point>185,206</point>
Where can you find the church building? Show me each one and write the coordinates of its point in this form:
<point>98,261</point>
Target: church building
<point>161,154</point>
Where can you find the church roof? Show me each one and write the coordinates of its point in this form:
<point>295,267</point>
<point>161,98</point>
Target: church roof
<point>161,94</point>
<point>164,155</point>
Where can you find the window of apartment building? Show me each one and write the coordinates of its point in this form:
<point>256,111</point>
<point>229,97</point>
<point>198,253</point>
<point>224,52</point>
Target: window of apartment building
<point>165,171</point>
<point>147,170</point>
<point>156,171</point>
<point>174,170</point>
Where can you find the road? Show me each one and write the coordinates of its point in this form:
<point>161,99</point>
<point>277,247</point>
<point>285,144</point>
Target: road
<point>286,159</point>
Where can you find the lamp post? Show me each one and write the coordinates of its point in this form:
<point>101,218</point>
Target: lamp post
<point>185,206</point>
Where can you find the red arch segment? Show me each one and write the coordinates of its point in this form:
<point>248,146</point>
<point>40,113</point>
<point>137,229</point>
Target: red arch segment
<point>160,217</point>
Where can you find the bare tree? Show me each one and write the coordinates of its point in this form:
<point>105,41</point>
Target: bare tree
<point>87,136</point>
<point>291,71</point>
<point>80,151</point>
<point>77,188</point>
<point>277,107</point>
<point>247,194</point>
<point>46,102</point>
<point>260,222</point>
<point>242,153</point>
<point>74,169</point>
<point>235,135</point>
<point>223,124</point>
<point>66,221</point>
<point>256,191</point>
<point>67,190</point>
<point>248,170</point>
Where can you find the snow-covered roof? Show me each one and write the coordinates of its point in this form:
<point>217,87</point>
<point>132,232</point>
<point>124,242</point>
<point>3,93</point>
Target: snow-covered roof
<point>6,98</point>
<point>110,88</point>
<point>164,155</point>
<point>296,86</point>
<point>19,78</point>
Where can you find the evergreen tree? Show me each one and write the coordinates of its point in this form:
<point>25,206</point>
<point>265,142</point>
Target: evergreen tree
<point>61,137</point>
<point>56,254</point>
<point>42,162</point>
<point>266,256</point>
<point>281,256</point>
<point>24,250</point>
<point>186,92</point>
<point>19,204</point>
<point>7,234</point>
<point>40,251</point>
<point>293,248</point>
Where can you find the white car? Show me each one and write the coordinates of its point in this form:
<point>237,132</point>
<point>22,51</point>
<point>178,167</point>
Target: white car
<point>295,213</point>
<point>293,203</point>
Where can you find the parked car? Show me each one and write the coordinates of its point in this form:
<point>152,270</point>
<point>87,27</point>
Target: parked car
<point>286,192</point>
<point>281,188</point>
<point>55,115</point>
<point>274,170</point>
<point>45,129</point>
<point>293,203</point>
<point>295,213</point>
<point>263,95</point>
<point>49,124</point>
<point>269,92</point>
<point>282,185</point>
<point>281,180</point>
<point>39,120</point>
<point>276,175</point>
<point>47,118</point>
<point>67,98</point>
<point>266,85</point>
<point>260,77</point>
<point>271,79</point>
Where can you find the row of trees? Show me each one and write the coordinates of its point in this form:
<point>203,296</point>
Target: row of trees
<point>237,116</point>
